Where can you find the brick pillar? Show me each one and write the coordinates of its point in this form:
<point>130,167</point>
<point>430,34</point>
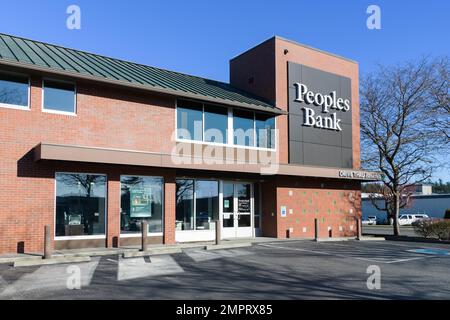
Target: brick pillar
<point>113,228</point>
<point>169,208</point>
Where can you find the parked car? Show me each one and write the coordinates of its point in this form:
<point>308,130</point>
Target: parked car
<point>371,220</point>
<point>409,219</point>
<point>420,217</point>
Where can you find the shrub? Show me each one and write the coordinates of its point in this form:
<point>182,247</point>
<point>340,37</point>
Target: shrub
<point>433,228</point>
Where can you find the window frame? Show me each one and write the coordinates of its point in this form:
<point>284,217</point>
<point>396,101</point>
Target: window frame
<point>137,234</point>
<point>230,125</point>
<point>67,113</point>
<point>88,237</point>
<point>14,106</point>
<point>194,199</point>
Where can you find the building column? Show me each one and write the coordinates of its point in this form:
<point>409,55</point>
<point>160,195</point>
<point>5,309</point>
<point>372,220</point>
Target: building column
<point>113,221</point>
<point>169,208</point>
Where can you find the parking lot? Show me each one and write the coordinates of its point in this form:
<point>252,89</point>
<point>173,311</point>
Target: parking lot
<point>300,269</point>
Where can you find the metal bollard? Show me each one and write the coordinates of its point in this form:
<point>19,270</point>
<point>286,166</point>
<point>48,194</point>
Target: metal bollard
<point>47,243</point>
<point>316,229</point>
<point>218,235</point>
<point>358,229</point>
<point>144,230</point>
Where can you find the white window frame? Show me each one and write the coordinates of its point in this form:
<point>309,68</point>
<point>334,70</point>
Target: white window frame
<point>230,130</point>
<point>99,236</point>
<point>15,106</point>
<point>137,234</point>
<point>74,114</point>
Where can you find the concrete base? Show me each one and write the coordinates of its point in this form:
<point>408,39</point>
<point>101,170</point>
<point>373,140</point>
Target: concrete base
<point>371,239</point>
<point>334,239</point>
<point>42,262</point>
<point>228,246</point>
<point>152,252</point>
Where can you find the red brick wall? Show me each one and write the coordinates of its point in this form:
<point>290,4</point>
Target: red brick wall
<point>335,203</point>
<point>106,117</point>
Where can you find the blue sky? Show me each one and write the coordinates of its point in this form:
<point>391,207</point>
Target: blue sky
<point>200,36</point>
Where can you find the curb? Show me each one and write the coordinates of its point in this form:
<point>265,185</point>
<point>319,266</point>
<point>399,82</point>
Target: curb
<point>151,252</point>
<point>42,262</point>
<point>228,246</point>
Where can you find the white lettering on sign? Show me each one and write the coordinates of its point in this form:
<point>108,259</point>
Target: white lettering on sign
<point>360,175</point>
<point>326,102</point>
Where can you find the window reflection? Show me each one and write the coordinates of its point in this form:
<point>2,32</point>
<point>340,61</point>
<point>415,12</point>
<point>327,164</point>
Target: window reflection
<point>185,204</point>
<point>244,131</point>
<point>13,90</point>
<point>80,204</point>
<point>59,96</point>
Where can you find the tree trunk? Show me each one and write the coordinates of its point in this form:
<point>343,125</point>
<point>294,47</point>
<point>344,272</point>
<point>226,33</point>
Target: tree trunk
<point>396,214</point>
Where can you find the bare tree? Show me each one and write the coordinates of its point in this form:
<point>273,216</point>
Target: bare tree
<point>399,136</point>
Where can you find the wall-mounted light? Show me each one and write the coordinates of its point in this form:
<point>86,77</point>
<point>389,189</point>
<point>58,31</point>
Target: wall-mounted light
<point>286,51</point>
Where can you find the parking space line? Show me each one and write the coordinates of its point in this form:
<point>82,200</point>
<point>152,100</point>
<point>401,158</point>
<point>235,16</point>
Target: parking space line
<point>374,259</point>
<point>51,277</point>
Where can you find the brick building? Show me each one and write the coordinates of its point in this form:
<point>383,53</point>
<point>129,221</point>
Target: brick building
<point>92,146</point>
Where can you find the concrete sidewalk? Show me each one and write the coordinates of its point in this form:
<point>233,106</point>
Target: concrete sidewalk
<point>68,256</point>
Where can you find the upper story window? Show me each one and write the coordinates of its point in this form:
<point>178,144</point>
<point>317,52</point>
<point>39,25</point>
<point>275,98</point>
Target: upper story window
<point>244,128</point>
<point>190,121</point>
<point>218,124</point>
<point>14,91</point>
<point>59,97</point>
<point>265,131</point>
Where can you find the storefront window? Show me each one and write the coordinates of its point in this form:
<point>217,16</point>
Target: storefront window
<point>189,120</point>
<point>13,90</point>
<point>59,96</point>
<point>216,124</point>
<point>80,204</point>
<point>244,131</point>
<point>197,204</point>
<point>141,200</point>
<point>265,131</point>
<point>207,204</point>
<point>185,205</point>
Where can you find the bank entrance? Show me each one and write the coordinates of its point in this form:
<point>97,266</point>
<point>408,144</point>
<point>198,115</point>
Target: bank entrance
<point>237,210</point>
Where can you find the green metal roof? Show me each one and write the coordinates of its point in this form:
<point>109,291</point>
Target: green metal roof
<point>50,58</point>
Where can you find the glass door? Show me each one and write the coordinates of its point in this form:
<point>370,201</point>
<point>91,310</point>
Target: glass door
<point>237,210</point>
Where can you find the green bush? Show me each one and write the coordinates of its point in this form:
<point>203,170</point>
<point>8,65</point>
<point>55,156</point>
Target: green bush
<point>433,229</point>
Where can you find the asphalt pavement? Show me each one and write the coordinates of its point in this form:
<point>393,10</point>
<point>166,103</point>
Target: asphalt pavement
<point>277,270</point>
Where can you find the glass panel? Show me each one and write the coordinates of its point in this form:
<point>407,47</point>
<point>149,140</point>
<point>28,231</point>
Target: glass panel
<point>228,221</point>
<point>14,90</point>
<point>185,205</point>
<point>80,204</point>
<point>189,120</point>
<point>243,123</point>
<point>59,96</point>
<point>141,200</point>
<point>207,204</point>
<point>244,220</point>
<point>243,197</point>
<point>216,124</point>
<point>256,196</point>
<point>228,197</point>
<point>265,131</point>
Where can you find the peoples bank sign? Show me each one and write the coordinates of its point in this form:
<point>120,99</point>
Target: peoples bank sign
<point>329,104</point>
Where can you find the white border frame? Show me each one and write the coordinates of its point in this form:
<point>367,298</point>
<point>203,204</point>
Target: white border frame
<point>138,234</point>
<point>63,238</point>
<point>73,114</point>
<point>230,133</point>
<point>196,235</point>
<point>14,106</point>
